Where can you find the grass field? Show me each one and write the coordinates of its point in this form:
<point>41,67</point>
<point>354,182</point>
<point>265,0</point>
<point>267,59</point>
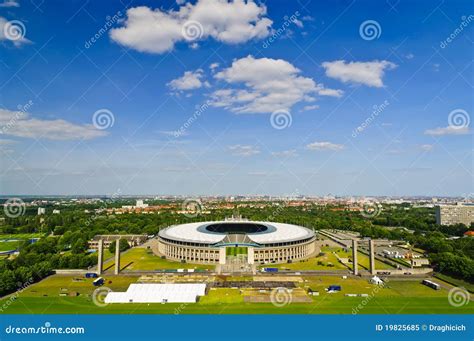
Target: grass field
<point>398,297</point>
<point>8,246</point>
<point>329,261</point>
<point>457,282</point>
<point>362,259</point>
<point>21,236</point>
<point>234,251</point>
<point>10,242</point>
<point>142,259</point>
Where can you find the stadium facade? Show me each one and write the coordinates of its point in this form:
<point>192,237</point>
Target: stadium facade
<point>263,242</point>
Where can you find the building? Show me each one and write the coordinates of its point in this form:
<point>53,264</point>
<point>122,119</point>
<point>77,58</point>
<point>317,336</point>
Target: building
<point>132,239</point>
<point>257,242</point>
<point>455,214</point>
<point>41,210</point>
<point>419,262</point>
<point>140,204</point>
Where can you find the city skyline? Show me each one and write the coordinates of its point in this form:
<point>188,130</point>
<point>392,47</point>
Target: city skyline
<point>279,99</point>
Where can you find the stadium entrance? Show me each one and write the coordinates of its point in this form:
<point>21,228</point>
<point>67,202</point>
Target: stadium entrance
<point>236,260</point>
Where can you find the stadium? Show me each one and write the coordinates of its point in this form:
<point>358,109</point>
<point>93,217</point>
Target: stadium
<point>258,242</point>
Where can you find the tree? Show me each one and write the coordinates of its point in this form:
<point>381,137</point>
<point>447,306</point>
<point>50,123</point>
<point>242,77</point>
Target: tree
<point>79,246</point>
<point>123,245</point>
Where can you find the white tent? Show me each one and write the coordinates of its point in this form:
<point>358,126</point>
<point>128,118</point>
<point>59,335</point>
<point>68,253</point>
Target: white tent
<point>376,280</point>
<point>158,293</point>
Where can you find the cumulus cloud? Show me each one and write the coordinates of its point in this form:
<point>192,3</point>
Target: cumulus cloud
<point>157,31</point>
<point>324,146</point>
<point>264,85</point>
<point>17,123</point>
<point>189,81</point>
<point>426,147</point>
<point>449,130</point>
<point>367,73</point>
<point>241,150</point>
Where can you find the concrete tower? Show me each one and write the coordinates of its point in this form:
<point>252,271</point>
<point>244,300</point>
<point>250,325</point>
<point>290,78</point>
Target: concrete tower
<point>372,256</point>
<point>354,257</point>
<point>117,256</point>
<point>100,259</point>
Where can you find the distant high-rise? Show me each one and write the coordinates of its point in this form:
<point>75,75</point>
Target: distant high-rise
<point>455,214</point>
<point>140,204</point>
<point>41,210</point>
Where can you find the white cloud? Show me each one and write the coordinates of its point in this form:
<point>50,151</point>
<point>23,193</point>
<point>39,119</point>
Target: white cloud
<point>324,146</point>
<point>213,66</point>
<point>10,3</point>
<point>367,73</point>
<point>241,150</point>
<point>265,85</point>
<point>173,133</point>
<point>15,29</point>
<point>410,56</point>
<point>16,123</point>
<point>157,31</point>
<point>449,130</point>
<point>189,81</point>
<point>330,92</point>
<point>285,153</point>
<point>310,107</point>
<point>426,147</point>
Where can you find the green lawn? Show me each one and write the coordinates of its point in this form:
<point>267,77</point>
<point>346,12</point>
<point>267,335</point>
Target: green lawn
<point>234,251</point>
<point>362,259</point>
<point>8,246</point>
<point>329,261</point>
<point>10,242</point>
<point>398,297</point>
<point>21,236</point>
<point>457,282</point>
<point>139,258</point>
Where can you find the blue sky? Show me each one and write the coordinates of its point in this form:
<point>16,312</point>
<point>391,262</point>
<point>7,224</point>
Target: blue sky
<point>355,98</point>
